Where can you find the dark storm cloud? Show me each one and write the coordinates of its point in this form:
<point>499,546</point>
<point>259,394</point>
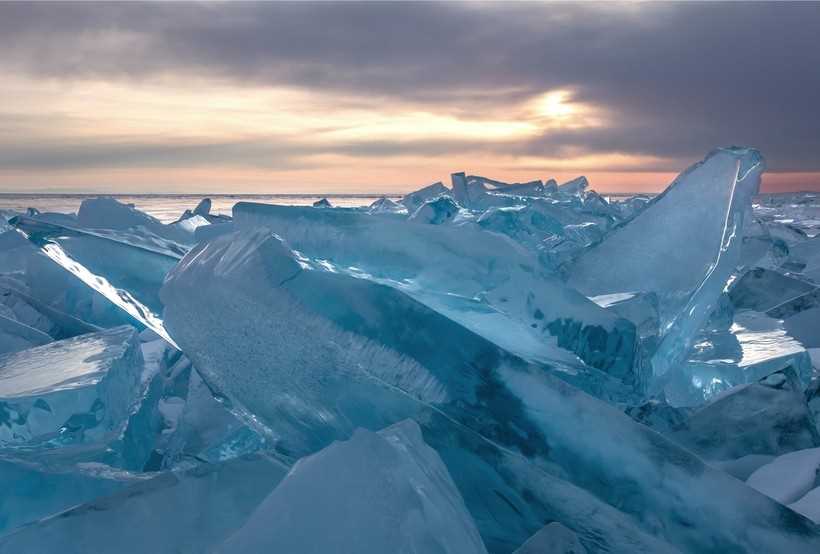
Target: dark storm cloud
<point>679,78</point>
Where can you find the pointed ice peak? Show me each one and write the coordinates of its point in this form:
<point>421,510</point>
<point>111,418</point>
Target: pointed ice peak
<point>574,187</point>
<point>323,203</point>
<point>203,208</point>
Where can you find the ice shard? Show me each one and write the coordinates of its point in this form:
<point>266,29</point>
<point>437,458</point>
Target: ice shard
<point>127,269</point>
<point>311,353</point>
<point>684,247</point>
<point>482,280</point>
<point>374,493</point>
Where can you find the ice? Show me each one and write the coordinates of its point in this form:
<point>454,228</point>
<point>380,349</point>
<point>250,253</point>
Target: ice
<point>741,468</point>
<point>31,492</point>
<point>751,347</point>
<point>108,213</point>
<point>311,353</point>
<point>807,254</point>
<point>763,289</point>
<point>203,208</point>
<point>789,477</point>
<point>415,199</point>
<point>575,187</point>
<point>531,188</point>
<point>374,493</point>
<point>124,269</point>
<point>809,505</point>
<point>767,417</point>
<point>323,203</point>
<point>553,539</point>
<point>385,205</point>
<point>16,336</point>
<point>482,280</point>
<point>683,246</point>
<point>189,511</point>
<point>71,392</point>
<point>801,317</point>
<point>436,211</point>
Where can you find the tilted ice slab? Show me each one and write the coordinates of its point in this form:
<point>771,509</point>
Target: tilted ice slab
<point>186,512</point>
<point>71,392</point>
<point>684,246</point>
<point>310,354</point>
<point>128,274</point>
<point>482,280</point>
<point>375,493</point>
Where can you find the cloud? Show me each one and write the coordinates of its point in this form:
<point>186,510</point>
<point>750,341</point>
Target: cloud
<point>676,79</point>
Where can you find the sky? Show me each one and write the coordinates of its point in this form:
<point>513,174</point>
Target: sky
<point>389,97</point>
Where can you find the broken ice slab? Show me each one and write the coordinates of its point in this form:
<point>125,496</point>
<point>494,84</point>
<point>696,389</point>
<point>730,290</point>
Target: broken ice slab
<point>683,247</point>
<point>415,199</point>
<point>15,336</point>
<point>108,213</point>
<point>762,289</point>
<point>789,477</point>
<point>481,280</point>
<point>807,256</point>
<point>30,491</point>
<point>385,205</point>
<point>206,430</point>
<point>753,346</point>
<point>186,512</point>
<point>801,317</point>
<point>376,492</point>
<point>125,271</point>
<point>75,392</point>
<point>767,417</point>
<point>309,354</point>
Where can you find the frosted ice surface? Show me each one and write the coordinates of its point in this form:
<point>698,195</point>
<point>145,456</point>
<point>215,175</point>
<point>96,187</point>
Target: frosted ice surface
<point>484,281</point>
<point>789,477</point>
<point>553,539</point>
<point>374,493</point>
<point>683,246</point>
<point>491,417</point>
<point>79,390</point>
<point>189,511</point>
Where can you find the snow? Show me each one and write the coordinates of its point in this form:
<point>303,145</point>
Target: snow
<point>789,477</point>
